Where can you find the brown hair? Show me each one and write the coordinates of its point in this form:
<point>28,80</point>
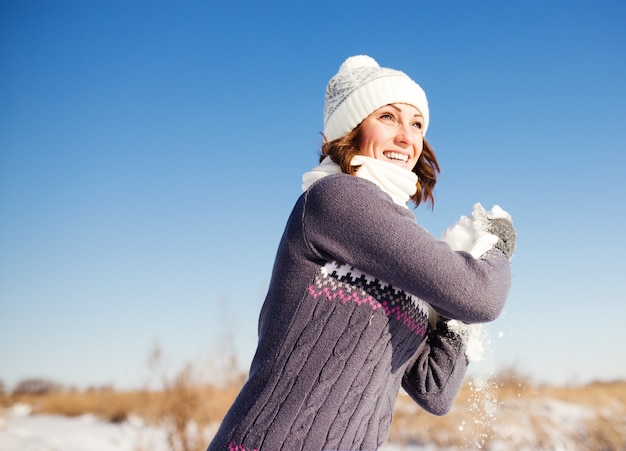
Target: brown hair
<point>341,151</point>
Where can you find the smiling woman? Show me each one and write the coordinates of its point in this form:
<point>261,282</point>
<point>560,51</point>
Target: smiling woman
<point>385,119</point>
<point>361,296</point>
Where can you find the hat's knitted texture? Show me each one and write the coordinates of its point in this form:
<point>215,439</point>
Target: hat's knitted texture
<point>360,87</point>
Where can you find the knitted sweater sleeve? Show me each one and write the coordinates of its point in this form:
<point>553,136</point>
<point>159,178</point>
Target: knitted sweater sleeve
<point>351,220</point>
<point>435,374</point>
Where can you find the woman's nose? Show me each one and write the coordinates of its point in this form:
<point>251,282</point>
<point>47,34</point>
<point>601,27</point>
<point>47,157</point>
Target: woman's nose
<point>403,136</point>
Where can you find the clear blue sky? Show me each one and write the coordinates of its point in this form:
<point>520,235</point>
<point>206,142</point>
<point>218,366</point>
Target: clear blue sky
<point>150,153</point>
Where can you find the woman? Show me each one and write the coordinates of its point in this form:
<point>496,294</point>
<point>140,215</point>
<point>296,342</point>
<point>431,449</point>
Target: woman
<point>345,322</point>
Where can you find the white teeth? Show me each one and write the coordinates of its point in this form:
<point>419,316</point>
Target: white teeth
<point>396,156</point>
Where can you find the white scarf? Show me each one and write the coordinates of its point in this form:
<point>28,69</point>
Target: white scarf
<point>398,182</point>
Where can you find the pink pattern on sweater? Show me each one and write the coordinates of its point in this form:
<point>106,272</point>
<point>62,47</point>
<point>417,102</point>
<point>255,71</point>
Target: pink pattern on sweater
<point>401,315</point>
<point>345,297</point>
<point>233,447</point>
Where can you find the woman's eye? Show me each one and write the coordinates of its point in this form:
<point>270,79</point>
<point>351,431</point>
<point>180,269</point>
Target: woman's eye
<point>417,125</point>
<point>386,116</point>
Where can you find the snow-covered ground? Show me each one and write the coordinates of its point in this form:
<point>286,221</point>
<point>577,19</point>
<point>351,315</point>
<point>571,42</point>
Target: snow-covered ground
<point>21,431</point>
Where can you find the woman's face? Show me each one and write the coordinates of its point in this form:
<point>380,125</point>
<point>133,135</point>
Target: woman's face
<point>393,133</point>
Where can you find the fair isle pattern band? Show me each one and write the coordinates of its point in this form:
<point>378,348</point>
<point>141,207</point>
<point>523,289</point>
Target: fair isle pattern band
<point>341,282</point>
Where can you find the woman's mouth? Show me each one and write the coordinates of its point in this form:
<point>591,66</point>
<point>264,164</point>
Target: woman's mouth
<point>395,156</point>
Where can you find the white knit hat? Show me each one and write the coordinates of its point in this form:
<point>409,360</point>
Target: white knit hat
<point>360,87</point>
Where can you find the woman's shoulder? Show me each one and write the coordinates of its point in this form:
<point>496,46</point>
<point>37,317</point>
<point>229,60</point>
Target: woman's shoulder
<point>348,192</point>
<point>348,185</point>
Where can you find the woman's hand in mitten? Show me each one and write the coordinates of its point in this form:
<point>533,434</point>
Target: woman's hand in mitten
<point>497,223</point>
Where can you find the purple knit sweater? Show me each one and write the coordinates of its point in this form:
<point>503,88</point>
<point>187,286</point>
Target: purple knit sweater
<point>339,332</point>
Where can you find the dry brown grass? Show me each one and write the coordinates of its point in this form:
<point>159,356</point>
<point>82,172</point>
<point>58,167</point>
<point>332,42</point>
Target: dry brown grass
<point>110,405</point>
<point>206,404</point>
